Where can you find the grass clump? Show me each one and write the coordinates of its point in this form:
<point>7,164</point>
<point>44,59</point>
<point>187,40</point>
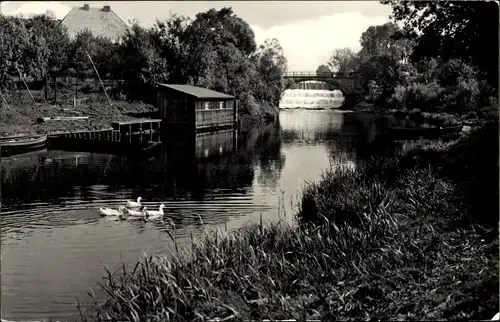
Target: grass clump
<point>399,240</point>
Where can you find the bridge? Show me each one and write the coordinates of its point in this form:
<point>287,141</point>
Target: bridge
<point>344,83</point>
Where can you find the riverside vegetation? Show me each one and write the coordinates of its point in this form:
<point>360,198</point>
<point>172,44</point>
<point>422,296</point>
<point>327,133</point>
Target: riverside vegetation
<point>416,72</point>
<point>216,50</point>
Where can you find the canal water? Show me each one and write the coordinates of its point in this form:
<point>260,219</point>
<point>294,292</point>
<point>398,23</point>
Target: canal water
<point>55,245</point>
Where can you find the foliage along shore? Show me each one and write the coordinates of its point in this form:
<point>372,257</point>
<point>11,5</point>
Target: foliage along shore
<point>407,238</point>
<point>404,67</point>
<point>215,50</point>
<point>22,120</point>
<point>438,119</point>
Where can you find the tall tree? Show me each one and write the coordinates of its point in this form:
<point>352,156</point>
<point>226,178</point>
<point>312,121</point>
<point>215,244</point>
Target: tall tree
<point>223,27</point>
<point>140,56</point>
<point>78,60</point>
<point>208,36</point>
<point>383,40</point>
<point>271,65</point>
<point>344,61</point>
<point>169,36</point>
<point>55,37</point>
<point>458,29</point>
<point>14,41</point>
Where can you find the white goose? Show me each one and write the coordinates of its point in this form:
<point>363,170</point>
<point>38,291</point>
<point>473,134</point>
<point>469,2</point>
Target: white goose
<point>134,213</point>
<point>134,204</point>
<point>112,212</point>
<point>153,214</point>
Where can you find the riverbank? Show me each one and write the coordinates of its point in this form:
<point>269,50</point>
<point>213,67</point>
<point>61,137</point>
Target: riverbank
<point>22,118</point>
<point>438,119</point>
<point>409,238</point>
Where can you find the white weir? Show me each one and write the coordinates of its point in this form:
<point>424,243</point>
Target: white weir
<point>311,95</point>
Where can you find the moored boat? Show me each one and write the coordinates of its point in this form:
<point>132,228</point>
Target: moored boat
<point>21,144</point>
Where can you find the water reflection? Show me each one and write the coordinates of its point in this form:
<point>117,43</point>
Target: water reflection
<point>54,243</point>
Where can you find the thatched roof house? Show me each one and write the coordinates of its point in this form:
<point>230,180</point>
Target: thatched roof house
<point>102,22</point>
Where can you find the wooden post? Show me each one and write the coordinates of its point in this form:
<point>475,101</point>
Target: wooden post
<point>99,77</point>
<point>46,87</point>
<point>26,85</point>
<point>235,112</point>
<point>55,89</point>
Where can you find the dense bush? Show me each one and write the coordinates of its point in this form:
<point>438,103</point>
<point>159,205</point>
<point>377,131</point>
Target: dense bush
<point>417,67</point>
<point>451,87</point>
<point>469,168</point>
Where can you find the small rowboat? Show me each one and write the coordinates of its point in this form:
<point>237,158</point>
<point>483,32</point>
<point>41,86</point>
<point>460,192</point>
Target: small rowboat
<point>21,144</point>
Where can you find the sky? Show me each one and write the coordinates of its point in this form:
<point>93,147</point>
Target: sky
<point>308,31</point>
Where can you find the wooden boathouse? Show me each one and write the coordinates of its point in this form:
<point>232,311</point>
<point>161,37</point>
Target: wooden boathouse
<point>195,108</point>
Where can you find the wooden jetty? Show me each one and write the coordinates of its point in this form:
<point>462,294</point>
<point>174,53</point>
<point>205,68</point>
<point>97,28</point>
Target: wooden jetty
<point>137,127</point>
<point>92,135</point>
<point>125,137</point>
<point>194,108</point>
<point>140,126</point>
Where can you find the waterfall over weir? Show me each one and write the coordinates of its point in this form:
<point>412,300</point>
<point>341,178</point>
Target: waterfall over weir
<point>311,95</point>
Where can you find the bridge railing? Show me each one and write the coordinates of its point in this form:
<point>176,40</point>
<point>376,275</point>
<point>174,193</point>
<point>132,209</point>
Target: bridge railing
<point>319,75</point>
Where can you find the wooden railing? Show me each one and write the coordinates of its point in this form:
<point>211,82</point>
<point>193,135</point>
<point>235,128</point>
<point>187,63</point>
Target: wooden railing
<point>318,75</point>
<point>94,135</point>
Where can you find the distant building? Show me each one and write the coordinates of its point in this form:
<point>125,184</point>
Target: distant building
<point>102,22</point>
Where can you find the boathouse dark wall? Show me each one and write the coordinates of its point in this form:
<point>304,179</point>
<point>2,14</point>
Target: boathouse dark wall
<point>195,108</point>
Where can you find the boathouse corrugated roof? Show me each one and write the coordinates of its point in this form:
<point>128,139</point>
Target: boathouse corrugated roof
<point>102,22</point>
<point>197,92</point>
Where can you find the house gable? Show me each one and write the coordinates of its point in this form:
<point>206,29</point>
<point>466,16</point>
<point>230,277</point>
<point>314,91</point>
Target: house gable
<point>102,22</point>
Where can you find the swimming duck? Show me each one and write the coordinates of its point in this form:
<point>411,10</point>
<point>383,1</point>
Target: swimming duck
<point>112,212</point>
<point>134,204</point>
<point>153,214</point>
